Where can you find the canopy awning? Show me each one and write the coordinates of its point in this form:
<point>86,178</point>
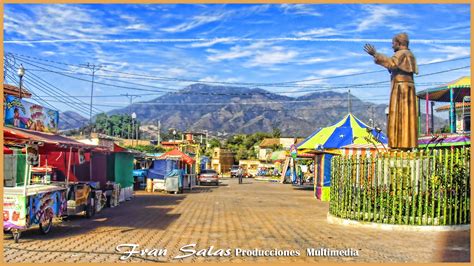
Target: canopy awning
<point>458,106</point>
<point>461,87</point>
<point>179,155</point>
<point>22,136</point>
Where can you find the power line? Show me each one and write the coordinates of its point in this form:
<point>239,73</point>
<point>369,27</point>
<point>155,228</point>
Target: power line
<point>45,103</point>
<point>299,91</point>
<point>243,83</point>
<point>40,83</point>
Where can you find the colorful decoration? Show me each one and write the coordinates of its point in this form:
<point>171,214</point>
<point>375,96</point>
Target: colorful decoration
<point>22,114</point>
<point>350,130</point>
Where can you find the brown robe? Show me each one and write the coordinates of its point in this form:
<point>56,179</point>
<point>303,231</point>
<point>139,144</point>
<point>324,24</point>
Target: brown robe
<point>402,126</point>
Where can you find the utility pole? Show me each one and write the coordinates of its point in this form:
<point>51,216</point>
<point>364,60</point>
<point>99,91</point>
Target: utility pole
<point>372,109</point>
<point>349,101</point>
<point>93,68</point>
<point>130,97</point>
<point>159,132</point>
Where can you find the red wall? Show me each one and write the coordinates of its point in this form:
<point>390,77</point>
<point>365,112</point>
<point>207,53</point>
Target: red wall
<point>59,158</point>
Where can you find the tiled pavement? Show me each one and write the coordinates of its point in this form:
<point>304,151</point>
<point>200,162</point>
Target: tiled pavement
<point>251,215</point>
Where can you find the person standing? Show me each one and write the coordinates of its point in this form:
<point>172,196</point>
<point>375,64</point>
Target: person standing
<point>402,125</point>
<point>240,174</point>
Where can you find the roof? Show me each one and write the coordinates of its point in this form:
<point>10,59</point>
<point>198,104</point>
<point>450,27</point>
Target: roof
<point>15,91</point>
<point>178,155</point>
<point>348,130</point>
<point>176,142</point>
<point>466,105</point>
<point>460,86</point>
<point>285,142</point>
<point>16,135</point>
<point>266,143</point>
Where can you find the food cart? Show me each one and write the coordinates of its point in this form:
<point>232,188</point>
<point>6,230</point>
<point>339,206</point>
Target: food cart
<point>32,204</point>
<point>34,193</point>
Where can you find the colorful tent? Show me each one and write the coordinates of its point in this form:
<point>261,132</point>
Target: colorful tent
<point>324,142</point>
<point>461,87</point>
<point>452,92</point>
<point>350,130</point>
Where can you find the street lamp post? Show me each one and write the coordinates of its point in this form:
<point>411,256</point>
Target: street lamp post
<point>134,116</point>
<point>21,73</point>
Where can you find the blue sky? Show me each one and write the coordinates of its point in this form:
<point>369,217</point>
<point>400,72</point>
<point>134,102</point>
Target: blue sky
<point>234,43</point>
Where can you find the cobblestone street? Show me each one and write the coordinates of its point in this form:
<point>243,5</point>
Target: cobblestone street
<point>248,216</point>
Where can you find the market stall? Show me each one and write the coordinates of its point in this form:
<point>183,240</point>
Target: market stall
<point>327,142</point>
<point>180,161</point>
<point>455,93</point>
<point>35,192</point>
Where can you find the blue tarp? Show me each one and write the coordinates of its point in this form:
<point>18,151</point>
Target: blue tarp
<point>204,161</point>
<point>327,170</point>
<point>160,168</point>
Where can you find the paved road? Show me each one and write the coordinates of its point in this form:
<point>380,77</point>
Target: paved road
<point>253,215</point>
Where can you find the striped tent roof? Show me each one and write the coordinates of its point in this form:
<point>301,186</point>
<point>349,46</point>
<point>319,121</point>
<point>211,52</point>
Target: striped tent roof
<point>460,86</point>
<point>350,130</point>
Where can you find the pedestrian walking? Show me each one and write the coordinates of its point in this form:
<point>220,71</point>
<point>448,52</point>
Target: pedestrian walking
<point>240,174</point>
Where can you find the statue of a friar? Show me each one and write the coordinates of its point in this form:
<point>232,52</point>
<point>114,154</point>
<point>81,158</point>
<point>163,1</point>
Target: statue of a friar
<point>402,126</point>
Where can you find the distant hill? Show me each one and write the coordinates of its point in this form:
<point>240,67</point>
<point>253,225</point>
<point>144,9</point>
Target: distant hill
<point>71,120</point>
<point>225,109</point>
<point>245,110</point>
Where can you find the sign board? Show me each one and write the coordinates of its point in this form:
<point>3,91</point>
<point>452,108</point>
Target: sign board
<point>14,211</point>
<point>22,114</point>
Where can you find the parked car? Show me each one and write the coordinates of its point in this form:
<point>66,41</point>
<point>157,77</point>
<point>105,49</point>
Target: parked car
<point>233,170</point>
<point>208,177</point>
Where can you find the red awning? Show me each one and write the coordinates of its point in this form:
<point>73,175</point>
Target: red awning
<point>177,154</point>
<point>19,136</point>
<point>118,148</point>
<point>7,150</point>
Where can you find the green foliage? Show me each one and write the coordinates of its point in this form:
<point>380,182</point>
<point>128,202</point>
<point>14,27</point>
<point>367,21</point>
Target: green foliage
<point>147,148</point>
<point>214,143</point>
<point>115,125</point>
<point>276,133</point>
<point>243,145</point>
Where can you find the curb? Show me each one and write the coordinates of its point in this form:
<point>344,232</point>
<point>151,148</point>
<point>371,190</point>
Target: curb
<point>331,219</point>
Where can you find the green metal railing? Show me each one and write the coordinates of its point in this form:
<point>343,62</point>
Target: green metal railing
<point>408,188</point>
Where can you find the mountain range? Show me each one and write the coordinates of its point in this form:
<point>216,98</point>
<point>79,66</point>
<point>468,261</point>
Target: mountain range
<point>230,110</point>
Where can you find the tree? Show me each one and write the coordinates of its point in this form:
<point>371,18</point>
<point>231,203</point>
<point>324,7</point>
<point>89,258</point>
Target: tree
<point>276,132</point>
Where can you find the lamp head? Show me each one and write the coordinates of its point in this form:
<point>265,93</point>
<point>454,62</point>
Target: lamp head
<point>21,71</point>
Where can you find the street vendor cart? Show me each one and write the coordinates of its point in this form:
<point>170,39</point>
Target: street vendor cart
<point>32,204</point>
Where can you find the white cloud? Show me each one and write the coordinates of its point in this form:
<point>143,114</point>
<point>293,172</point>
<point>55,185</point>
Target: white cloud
<point>195,22</point>
<point>337,72</point>
<point>299,9</point>
<point>274,55</point>
<point>48,53</point>
<point>57,22</point>
<point>379,15</point>
<point>235,52</point>
<point>209,43</point>
<point>138,26</point>
<point>319,32</point>
<point>458,26</point>
<point>448,52</point>
<point>217,79</point>
<point>316,60</point>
